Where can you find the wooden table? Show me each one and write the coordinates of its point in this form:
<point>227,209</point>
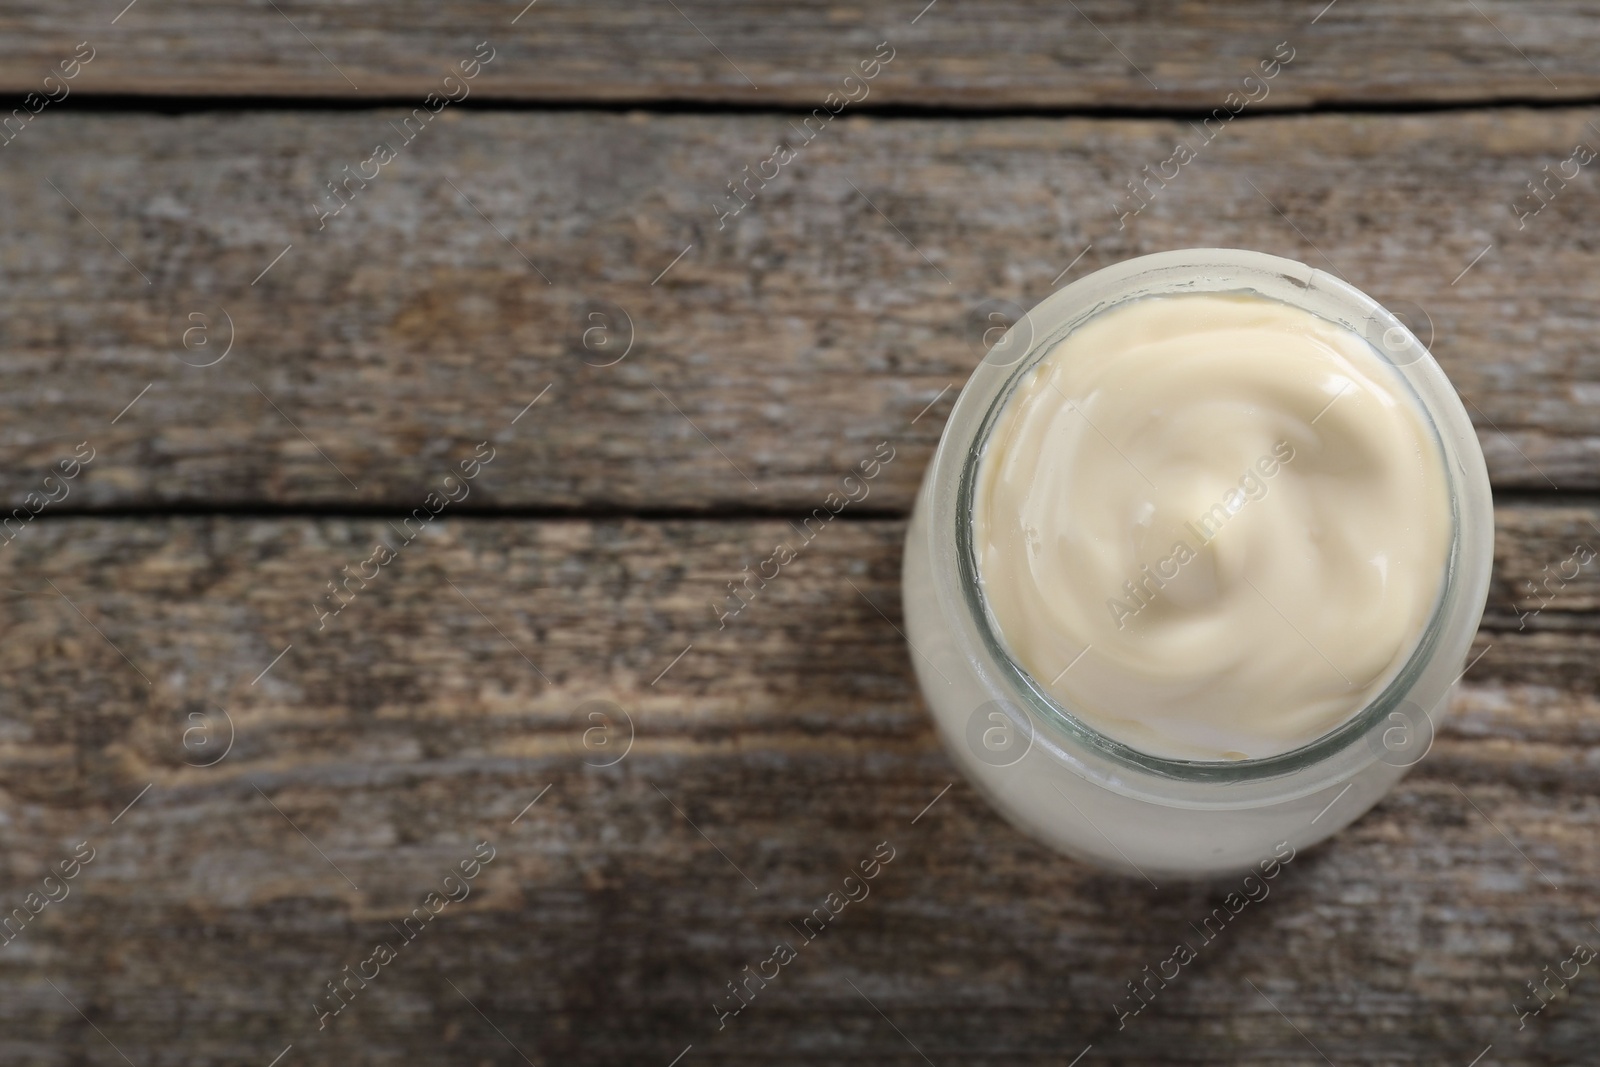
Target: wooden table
<point>545,273</point>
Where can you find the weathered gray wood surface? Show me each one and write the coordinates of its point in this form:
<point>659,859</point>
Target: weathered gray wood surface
<point>413,727</point>
<point>769,358</point>
<point>1095,53</point>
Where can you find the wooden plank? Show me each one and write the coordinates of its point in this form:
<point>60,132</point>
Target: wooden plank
<point>449,696</point>
<point>199,607</point>
<point>501,255</point>
<point>1010,53</point>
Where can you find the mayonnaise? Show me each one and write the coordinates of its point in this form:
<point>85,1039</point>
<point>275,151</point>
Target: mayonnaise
<point>1213,527</point>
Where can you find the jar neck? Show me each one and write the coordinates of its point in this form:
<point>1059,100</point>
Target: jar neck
<point>1349,745</point>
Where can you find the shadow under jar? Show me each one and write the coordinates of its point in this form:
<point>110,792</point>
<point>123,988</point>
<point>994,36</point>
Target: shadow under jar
<point>1083,778</point>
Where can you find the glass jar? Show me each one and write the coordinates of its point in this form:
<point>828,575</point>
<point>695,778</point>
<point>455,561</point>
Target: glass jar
<point>1102,801</point>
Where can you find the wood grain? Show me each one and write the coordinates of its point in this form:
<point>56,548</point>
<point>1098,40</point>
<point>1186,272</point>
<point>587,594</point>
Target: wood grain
<point>764,53</point>
<point>842,308</point>
<point>451,692</point>
<point>271,791</point>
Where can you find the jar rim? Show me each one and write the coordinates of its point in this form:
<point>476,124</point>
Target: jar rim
<point>1232,271</point>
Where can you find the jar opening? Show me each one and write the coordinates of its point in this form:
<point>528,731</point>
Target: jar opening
<point>1390,339</point>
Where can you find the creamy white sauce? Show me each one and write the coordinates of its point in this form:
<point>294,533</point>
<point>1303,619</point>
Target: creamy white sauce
<point>1212,527</point>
